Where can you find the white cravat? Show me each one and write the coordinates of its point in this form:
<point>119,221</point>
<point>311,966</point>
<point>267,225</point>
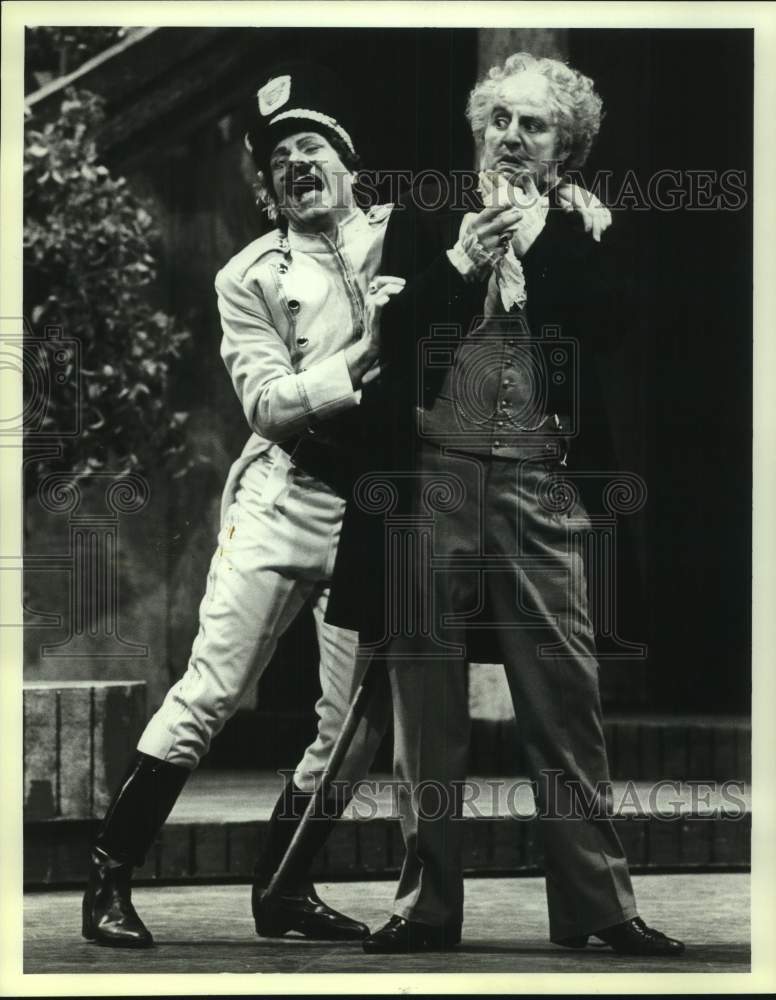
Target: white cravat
<point>470,258</point>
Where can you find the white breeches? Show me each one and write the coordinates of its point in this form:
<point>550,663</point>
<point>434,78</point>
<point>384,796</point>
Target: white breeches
<point>276,550</point>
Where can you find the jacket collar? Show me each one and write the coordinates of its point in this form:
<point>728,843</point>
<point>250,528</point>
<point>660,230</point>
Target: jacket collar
<point>299,239</point>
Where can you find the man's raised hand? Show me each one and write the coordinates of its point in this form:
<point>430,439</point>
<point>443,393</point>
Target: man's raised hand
<point>365,352</point>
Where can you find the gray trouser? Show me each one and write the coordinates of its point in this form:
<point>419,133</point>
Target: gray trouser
<point>276,550</point>
<point>534,586</point>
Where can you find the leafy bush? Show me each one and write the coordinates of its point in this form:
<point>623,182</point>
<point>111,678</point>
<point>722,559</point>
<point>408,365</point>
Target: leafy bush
<point>89,268</point>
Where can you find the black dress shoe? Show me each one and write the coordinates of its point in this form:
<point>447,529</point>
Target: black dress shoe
<point>306,913</point>
<point>401,936</point>
<point>632,937</point>
<point>107,914</point>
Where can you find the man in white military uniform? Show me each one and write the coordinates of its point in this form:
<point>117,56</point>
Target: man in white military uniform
<point>300,321</point>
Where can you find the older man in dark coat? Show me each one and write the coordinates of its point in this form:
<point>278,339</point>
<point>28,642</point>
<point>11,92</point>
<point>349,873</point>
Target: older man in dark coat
<point>468,523</point>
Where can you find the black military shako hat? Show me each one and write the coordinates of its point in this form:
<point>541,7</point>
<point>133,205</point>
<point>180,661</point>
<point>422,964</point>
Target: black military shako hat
<point>297,96</point>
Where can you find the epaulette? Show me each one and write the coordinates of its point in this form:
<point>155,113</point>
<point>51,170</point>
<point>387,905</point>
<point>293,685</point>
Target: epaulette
<point>379,213</point>
<point>274,241</point>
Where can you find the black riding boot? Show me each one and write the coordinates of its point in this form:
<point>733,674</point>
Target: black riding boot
<point>299,908</point>
<point>133,820</point>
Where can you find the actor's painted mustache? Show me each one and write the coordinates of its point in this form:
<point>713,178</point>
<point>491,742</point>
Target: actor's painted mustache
<point>510,160</point>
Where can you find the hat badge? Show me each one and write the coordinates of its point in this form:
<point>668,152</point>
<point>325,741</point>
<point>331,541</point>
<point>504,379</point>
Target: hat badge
<point>274,94</point>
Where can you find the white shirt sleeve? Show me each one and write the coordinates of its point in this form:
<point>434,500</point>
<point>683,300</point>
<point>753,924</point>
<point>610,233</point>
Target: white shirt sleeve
<point>468,256</point>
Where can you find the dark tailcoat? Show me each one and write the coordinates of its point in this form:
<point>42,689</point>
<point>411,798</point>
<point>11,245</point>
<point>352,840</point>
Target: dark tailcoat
<point>570,285</point>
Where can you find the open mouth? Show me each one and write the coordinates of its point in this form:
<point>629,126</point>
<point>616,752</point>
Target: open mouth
<point>302,185</point>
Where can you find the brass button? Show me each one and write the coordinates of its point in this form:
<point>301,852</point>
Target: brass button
<point>507,383</point>
<point>302,341</point>
<point>282,267</point>
<point>293,305</point>
<point>496,444</point>
<point>499,424</point>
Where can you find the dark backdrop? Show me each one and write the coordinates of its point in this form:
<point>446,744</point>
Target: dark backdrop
<point>679,389</point>
<point>683,100</point>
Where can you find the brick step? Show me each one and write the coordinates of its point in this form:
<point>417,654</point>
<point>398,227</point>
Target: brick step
<point>707,829</point>
<point>642,747</point>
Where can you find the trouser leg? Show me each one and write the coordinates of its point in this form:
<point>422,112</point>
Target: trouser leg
<point>430,695</point>
<point>342,668</point>
<point>269,557</point>
<point>259,577</point>
<point>431,736</point>
<point>539,602</point>
<point>552,671</point>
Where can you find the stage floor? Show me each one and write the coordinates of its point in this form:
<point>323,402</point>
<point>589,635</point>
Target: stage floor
<point>206,929</point>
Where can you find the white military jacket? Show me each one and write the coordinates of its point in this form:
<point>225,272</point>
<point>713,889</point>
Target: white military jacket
<point>290,305</point>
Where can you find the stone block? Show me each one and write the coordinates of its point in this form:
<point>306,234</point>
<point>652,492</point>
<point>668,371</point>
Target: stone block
<point>76,779</point>
<point>41,770</point>
<point>79,737</point>
<point>119,716</point>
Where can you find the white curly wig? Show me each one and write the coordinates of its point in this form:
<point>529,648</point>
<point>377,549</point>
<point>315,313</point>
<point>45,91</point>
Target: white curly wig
<point>575,105</point>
